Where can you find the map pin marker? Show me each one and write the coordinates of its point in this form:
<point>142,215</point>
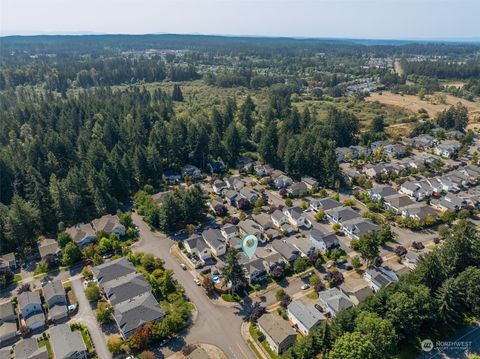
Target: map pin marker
<point>249,245</point>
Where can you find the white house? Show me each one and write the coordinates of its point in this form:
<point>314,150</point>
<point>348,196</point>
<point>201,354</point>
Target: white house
<point>215,240</point>
<point>305,318</point>
<point>196,245</point>
<point>296,217</point>
<point>378,277</point>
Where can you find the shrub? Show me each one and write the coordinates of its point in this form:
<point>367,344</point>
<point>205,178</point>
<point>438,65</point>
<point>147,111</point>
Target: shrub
<point>92,292</point>
<point>104,313</point>
<point>115,344</point>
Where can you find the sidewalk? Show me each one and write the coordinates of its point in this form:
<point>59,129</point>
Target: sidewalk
<point>249,340</point>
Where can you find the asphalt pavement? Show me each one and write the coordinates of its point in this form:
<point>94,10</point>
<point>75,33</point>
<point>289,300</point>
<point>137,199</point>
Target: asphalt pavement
<point>215,324</point>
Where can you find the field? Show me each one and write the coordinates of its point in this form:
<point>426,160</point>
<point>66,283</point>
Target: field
<point>413,104</point>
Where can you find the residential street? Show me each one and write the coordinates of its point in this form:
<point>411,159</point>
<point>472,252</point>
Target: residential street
<point>215,324</point>
<point>86,316</point>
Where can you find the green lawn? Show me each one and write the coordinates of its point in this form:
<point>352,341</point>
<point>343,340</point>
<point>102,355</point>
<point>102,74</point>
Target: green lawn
<point>17,278</point>
<point>231,298</point>
<point>44,342</point>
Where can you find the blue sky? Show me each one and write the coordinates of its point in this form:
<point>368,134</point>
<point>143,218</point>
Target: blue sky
<point>379,19</point>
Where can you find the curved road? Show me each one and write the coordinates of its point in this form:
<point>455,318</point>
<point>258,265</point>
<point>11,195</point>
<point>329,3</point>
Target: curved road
<point>86,316</point>
<point>215,324</point>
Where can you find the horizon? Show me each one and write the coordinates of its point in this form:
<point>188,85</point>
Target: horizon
<point>419,20</point>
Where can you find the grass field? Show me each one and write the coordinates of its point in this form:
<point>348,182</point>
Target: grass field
<point>413,104</point>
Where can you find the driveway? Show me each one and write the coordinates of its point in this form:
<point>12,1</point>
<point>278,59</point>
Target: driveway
<point>215,324</point>
<point>86,316</point>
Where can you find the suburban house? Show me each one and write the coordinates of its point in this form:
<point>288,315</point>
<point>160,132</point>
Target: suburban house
<point>191,171</point>
<point>297,188</point>
<point>397,202</point>
<point>264,221</point>
<point>411,259</point>
<point>125,287</point>
<point>171,177</point>
<point>375,171</point>
<point>419,190</point>
<point>66,343</point>
<point>295,217</point>
<point>395,150</point>
<point>214,202</point>
<point>196,245</point>
<point>304,245</point>
<point>255,270</point>
<point>273,261</point>
<point>48,249</point>
<point>289,252</point>
<point>28,349</point>
<point>324,203</point>
<point>248,226</point>
<point>262,170</point>
<point>418,211</point>
<point>379,192</point>
<point>109,224</point>
<point>378,145</point>
<point>135,312</point>
<point>30,306</point>
<point>311,182</point>
<point>56,299</point>
<point>249,194</point>
<point>422,141</point>
<point>235,182</point>
<point>159,197</point>
<point>229,231</point>
<point>447,148</point>
<point>106,272</point>
<point>8,323</point>
<point>345,154</point>
<point>232,197</point>
<point>334,300</point>
<point>216,167</point>
<point>282,181</point>
<point>219,186</point>
<point>341,214</point>
<point>279,219</point>
<point>305,318</point>
<point>278,333</point>
<point>8,260</point>
<point>134,305</point>
<point>215,240</point>
<point>82,234</point>
<point>322,240</point>
<point>357,227</point>
<point>378,277</point>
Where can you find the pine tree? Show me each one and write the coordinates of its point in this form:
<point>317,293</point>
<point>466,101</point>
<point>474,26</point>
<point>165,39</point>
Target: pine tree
<point>177,94</point>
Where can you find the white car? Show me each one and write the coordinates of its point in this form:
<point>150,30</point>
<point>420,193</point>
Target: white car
<point>197,281</point>
<point>305,286</point>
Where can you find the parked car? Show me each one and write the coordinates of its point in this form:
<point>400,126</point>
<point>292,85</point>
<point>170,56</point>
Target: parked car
<point>184,267</point>
<point>197,281</point>
<point>305,286</point>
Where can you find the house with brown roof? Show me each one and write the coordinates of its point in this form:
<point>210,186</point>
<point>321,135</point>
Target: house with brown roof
<point>279,334</point>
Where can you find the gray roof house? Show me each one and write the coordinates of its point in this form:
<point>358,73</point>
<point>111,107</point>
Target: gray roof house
<point>397,202</point>
<point>56,299</point>
<point>66,343</point>
<point>195,244</point>
<point>306,318</point>
<point>82,234</point>
<point>48,248</point>
<point>255,270</point>
<point>341,214</point>
<point>109,224</point>
<point>159,197</point>
<point>28,349</point>
<point>282,181</point>
<point>113,270</point>
<point>30,305</point>
<point>418,211</point>
<point>192,171</point>
<point>278,333</point>
<point>8,260</point>
<point>297,188</point>
<point>311,182</point>
<point>132,314</point>
<point>278,218</point>
<point>296,217</point>
<point>126,287</point>
<point>378,277</point>
<point>249,194</point>
<point>229,230</point>
<point>322,240</point>
<point>289,252</point>
<point>334,300</point>
<point>379,192</point>
<point>248,226</point>
<point>8,323</point>
<point>357,227</point>
<point>264,220</point>
<point>215,240</point>
<point>324,203</point>
<point>219,186</point>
